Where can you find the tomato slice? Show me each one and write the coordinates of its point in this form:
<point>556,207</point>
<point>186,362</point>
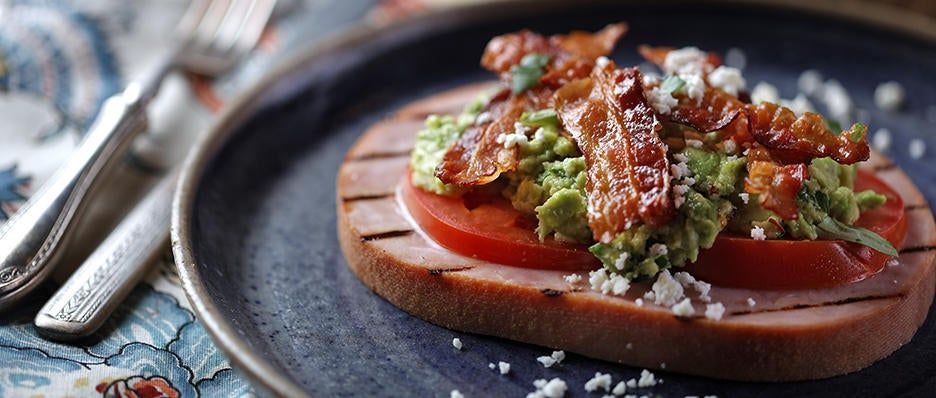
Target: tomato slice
<point>487,227</point>
<point>736,261</point>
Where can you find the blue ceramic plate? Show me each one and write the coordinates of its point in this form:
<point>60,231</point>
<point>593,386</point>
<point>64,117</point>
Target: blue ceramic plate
<point>254,224</point>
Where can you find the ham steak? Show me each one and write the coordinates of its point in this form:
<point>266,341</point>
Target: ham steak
<point>785,335</point>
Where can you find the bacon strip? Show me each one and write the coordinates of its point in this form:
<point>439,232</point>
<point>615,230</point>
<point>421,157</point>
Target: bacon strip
<point>657,56</point>
<point>716,111</point>
<point>477,158</point>
<point>571,56</point>
<point>793,139</point>
<point>616,129</point>
<point>776,185</point>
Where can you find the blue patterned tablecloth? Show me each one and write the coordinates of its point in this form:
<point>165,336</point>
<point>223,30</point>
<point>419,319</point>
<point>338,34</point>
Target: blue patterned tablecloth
<point>59,59</point>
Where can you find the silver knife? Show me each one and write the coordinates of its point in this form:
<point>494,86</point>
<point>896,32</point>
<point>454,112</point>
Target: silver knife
<point>91,294</point>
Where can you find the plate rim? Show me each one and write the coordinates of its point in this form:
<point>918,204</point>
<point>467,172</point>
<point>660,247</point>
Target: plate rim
<point>262,373</point>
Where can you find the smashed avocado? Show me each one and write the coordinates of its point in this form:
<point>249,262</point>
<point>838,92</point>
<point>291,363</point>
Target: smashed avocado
<point>433,141</point>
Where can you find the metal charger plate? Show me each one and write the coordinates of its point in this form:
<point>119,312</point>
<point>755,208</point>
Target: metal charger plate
<point>254,218</point>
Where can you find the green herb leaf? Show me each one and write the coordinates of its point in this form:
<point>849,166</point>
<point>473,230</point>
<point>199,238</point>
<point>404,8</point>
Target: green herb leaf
<point>833,125</point>
<point>526,75</point>
<point>831,228</point>
<point>857,131</point>
<point>540,118</point>
<point>672,84</point>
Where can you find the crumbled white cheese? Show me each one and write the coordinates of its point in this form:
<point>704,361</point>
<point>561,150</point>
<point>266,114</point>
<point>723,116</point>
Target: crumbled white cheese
<point>765,92</point>
<point>602,61</point>
<point>547,362</point>
<point>483,118</point>
<point>689,181</point>
<point>555,388</point>
<point>632,383</point>
<point>745,197</point>
<point>621,262</point>
<point>686,60</point>
<point>714,311</point>
<point>666,290</point>
<point>881,140</point>
<point>492,365</point>
<point>572,278</point>
<point>650,295</point>
<point>683,308</point>
<point>917,148</point>
<point>703,288</point>
<point>662,101</point>
<point>647,379</point>
<point>728,79</point>
<point>757,233</point>
<point>684,278</point>
<point>889,96</point>
<point>513,139</point>
<point>695,86</point>
<point>629,346</point>
<point>679,170</point>
<point>731,147</point>
<point>600,381</point>
<point>799,105</point>
<point>681,157</point>
<point>735,58</point>
<point>504,367</point>
<point>662,366</point>
<point>456,394</point>
<point>619,389</point>
<point>680,190</point>
<point>837,100</point>
<point>639,302</point>
<point>751,302</point>
<point>810,82</point>
<point>658,249</point>
<point>619,285</point>
<point>650,77</point>
<point>597,279</point>
<point>694,143</point>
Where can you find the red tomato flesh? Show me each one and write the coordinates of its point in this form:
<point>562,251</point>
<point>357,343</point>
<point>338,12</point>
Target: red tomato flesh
<point>487,227</point>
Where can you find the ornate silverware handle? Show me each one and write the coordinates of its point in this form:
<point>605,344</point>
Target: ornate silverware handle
<point>32,240</point>
<point>91,294</point>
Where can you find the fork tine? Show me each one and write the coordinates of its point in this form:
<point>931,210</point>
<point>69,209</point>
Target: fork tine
<point>226,36</point>
<point>225,32</point>
<point>190,19</point>
<point>254,25</point>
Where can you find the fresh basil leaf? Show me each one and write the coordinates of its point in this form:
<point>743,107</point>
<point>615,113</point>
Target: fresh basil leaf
<point>540,118</point>
<point>831,228</point>
<point>672,84</point>
<point>526,75</point>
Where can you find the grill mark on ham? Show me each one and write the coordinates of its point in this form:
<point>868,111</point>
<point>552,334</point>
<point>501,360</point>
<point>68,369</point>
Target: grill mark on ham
<point>805,306</point>
<point>440,271</point>
<point>917,249</point>
<point>921,206</point>
<point>552,292</point>
<point>367,197</point>
<point>386,235</point>
<point>380,155</point>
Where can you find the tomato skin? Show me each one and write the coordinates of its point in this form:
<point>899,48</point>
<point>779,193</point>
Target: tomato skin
<point>737,261</point>
<point>492,231</point>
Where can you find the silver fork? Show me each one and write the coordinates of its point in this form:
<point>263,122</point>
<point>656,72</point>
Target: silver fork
<point>213,36</point>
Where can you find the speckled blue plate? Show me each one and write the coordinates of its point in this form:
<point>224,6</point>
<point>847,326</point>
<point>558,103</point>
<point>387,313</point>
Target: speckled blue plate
<point>254,224</point>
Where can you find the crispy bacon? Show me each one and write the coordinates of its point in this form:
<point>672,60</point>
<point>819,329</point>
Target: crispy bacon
<point>776,185</point>
<point>791,139</point>
<point>477,158</point>
<point>571,56</point>
<point>628,172</point>
<point>716,111</point>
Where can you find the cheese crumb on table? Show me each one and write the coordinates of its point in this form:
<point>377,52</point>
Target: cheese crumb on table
<point>810,82</point>
<point>683,308</point>
<point>555,388</point>
<point>757,233</point>
<point>491,365</point>
<point>619,389</point>
<point>558,356</point>
<point>600,381</point>
<point>715,311</point>
<point>917,148</point>
<point>735,58</point>
<point>457,343</point>
<point>889,96</point>
<point>456,394</point>
<point>546,361</point>
<point>504,367</point>
<point>799,105</point>
<point>837,101</point>
<point>647,379</point>
<point>765,92</point>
